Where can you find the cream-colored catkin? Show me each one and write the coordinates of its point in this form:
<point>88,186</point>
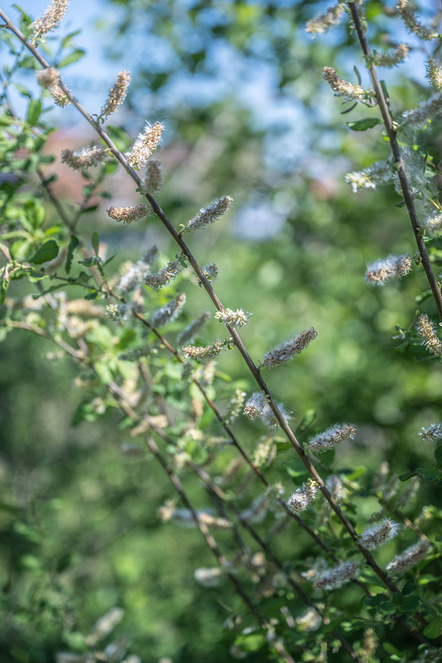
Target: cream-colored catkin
<point>427,332</point>
<point>145,145</point>
<point>50,19</point>
<point>117,94</point>
<point>128,214</point>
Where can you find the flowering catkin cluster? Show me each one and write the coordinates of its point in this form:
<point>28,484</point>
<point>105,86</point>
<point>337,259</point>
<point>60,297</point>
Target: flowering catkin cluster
<point>117,94</point>
<point>257,406</point>
<point>236,318</point>
<point>433,223</point>
<point>424,112</point>
<point>59,95</point>
<point>412,23</point>
<point>104,626</point>
<point>128,214</point>
<point>426,330</point>
<point>210,271</point>
<point>47,77</point>
<point>201,352</point>
<point>434,74</point>
<point>331,437</point>
<point>433,433</point>
<point>368,178</point>
<point>263,451</point>
<point>377,536</point>
<point>145,144</point>
<point>235,406</point>
<point>336,576</point>
<point>136,273</point>
<point>164,276</point>
<point>189,332</point>
<point>86,158</point>
<point>50,19</point>
<point>209,577</point>
<point>136,354</point>
<point>288,350</point>
<point>302,497</point>
<point>392,267</point>
<point>410,557</point>
<point>117,312</point>
<point>344,89</point>
<point>209,214</point>
<point>169,312</point>
<point>389,58</point>
<point>320,25</point>
<point>153,178</point>
<point>334,486</point>
<point>309,620</point>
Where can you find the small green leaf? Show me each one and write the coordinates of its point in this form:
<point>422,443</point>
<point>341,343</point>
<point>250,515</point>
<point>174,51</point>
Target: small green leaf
<point>72,57</point>
<point>34,111</point>
<point>306,421</point>
<point>3,289</point>
<point>48,251</point>
<point>66,42</point>
<point>433,629</point>
<point>95,242</point>
<point>28,62</point>
<point>25,19</point>
<point>407,475</point>
<point>428,475</point>
<point>364,124</point>
<point>84,412</point>
<point>35,213</point>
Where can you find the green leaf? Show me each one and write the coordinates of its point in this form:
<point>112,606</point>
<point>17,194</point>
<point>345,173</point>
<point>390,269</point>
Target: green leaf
<point>72,57</point>
<point>389,648</point>
<point>21,249</point>
<point>3,289</point>
<point>300,474</point>
<point>306,421</point>
<point>95,242</point>
<point>407,475</point>
<point>84,412</point>
<point>251,642</point>
<point>35,213</point>
<point>67,42</point>
<point>364,124</point>
<point>428,475</point>
<point>28,62</point>
<point>73,244</point>
<point>34,111</point>
<point>25,19</point>
<point>433,629</point>
<point>48,251</point>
